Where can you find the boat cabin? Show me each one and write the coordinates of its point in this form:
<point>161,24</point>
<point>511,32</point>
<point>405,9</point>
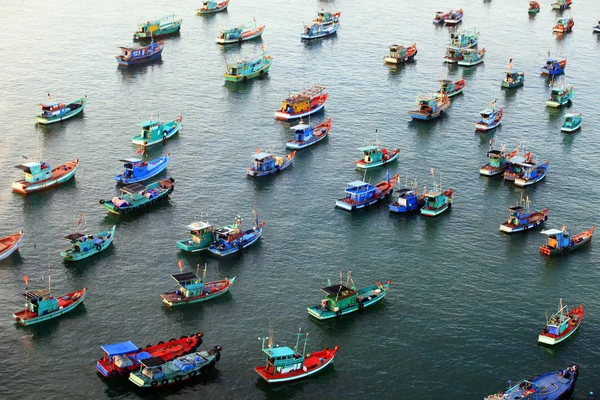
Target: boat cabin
<point>40,302</point>
<point>373,154</point>
<point>572,120</point>
<point>303,132</point>
<point>148,27</point>
<point>228,233</point>
<point>231,34</point>
<point>359,192</point>
<point>517,164</point>
<point>283,359</point>
<point>518,216</point>
<point>397,50</point>
<point>407,198</point>
<point>190,285</point>
<point>137,191</point>
<point>435,199</point>
<point>497,158</point>
<point>36,171</point>
<point>264,162</point>
<point>209,5</point>
<point>133,167</point>
<point>487,115</point>
<point>152,368</point>
<point>557,324</point>
<point>200,231</point>
<point>148,128</point>
<point>557,239</point>
<point>338,297</point>
<point>453,53</point>
<point>116,354</point>
<point>553,65</point>
<point>82,242</point>
<point>52,108</point>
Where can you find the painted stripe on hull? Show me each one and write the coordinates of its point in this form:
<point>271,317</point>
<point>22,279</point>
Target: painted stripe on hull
<point>349,310</point>
<point>378,164</point>
<point>44,185</point>
<point>508,229</point>
<point>552,341</point>
<point>14,248</point>
<point>521,182</point>
<point>491,172</point>
<point>141,142</point>
<point>47,121</point>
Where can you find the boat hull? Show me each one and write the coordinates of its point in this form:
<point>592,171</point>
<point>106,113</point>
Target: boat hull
<point>557,104</point>
<point>244,78</point>
<point>508,229</point>
<point>323,314</point>
<point>144,205</point>
<point>280,115</point>
<point>202,11</point>
<point>72,256</point>
<point>507,85</point>
<point>360,165</point>
<point>59,118</point>
<point>25,188</point>
<point>406,209</point>
<point>464,63</point>
<point>159,166</point>
<point>190,246</point>
<point>551,252</point>
<point>429,212</point>
<point>492,171</point>
<point>138,140</point>
<point>12,244</point>
<point>57,313</point>
<point>484,127</point>
<point>173,301</point>
<point>425,117</point>
<point>522,182</point>
<point>329,32</point>
<point>138,61</point>
<point>550,341</point>
<point>571,129</point>
<point>313,363</point>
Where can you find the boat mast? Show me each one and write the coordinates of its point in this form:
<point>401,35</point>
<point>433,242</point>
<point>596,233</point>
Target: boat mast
<point>305,341</point>
<point>204,274</point>
<point>298,335</point>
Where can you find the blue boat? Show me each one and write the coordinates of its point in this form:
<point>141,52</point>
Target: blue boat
<point>307,135</point>
<point>556,385</point>
<point>232,238</point>
<point>554,67</point>
<point>137,170</point>
<point>267,164</point>
<point>140,55</point>
<point>532,174</point>
<point>360,194</point>
<point>408,200</point>
<point>317,31</point>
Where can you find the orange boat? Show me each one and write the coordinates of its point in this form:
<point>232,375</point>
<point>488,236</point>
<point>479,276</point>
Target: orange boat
<point>10,244</point>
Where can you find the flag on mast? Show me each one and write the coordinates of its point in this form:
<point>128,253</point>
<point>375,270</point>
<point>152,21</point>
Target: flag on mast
<point>180,263</point>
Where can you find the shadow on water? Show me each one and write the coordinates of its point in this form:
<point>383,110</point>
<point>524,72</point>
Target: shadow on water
<point>568,140</point>
<point>396,71</point>
<point>13,260</point>
<point>58,128</point>
<point>509,94</point>
<point>78,268</point>
<point>115,219</point>
<point>469,72</point>
<point>130,72</point>
<point>297,389</point>
<point>236,47</point>
<point>37,200</point>
<point>245,87</point>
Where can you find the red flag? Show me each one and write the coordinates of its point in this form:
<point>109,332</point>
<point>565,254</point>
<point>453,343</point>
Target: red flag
<point>257,150</point>
<point>26,279</point>
<point>180,265</point>
<point>140,150</point>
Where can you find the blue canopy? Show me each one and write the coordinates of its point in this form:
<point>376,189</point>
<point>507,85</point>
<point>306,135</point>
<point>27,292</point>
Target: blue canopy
<point>143,355</point>
<point>117,349</point>
<point>281,352</point>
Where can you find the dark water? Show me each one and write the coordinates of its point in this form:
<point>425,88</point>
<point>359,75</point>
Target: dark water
<point>467,302</point>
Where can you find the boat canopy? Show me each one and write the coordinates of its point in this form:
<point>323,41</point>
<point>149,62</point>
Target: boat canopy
<point>300,127</point>
<point>261,156</point>
<point>50,104</point>
<point>515,208</point>
<point>148,123</point>
<point>134,188</point>
<point>487,112</point>
<point>74,236</point>
<point>335,289</point>
<point>280,352</point>
<point>357,184</point>
<point>36,294</point>
<point>517,160</point>
<point>198,225</point>
<point>130,160</point>
<point>552,232</point>
<point>185,277</point>
<point>27,166</point>
<point>116,349</point>
<point>367,149</point>
<point>495,153</point>
<point>433,194</point>
<point>404,191</point>
<point>153,362</point>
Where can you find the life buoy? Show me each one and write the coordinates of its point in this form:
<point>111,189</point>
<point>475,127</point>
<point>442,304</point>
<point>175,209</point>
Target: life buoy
<point>338,313</point>
<point>164,382</point>
<point>177,378</point>
<point>361,306</point>
<point>98,247</point>
<point>101,201</point>
<point>153,383</point>
<point>193,373</point>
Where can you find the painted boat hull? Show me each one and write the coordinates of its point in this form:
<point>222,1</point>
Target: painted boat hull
<point>394,60</point>
<point>76,256</point>
<point>425,117</point>
<point>175,378</point>
<point>521,182</point>
<point>397,208</point>
<point>242,39</point>
<point>286,117</point>
<point>138,140</point>
<point>379,163</point>
<point>596,28</point>
<point>426,212</point>
<point>202,11</point>
<point>162,163</point>
<point>258,174</point>
<point>190,246</point>
<point>464,63</point>
<point>565,250</point>
<point>46,184</point>
<point>543,339</point>
<point>326,126</point>
<point>158,33</point>
<point>57,313</point>
<point>321,314</point>
<point>240,78</point>
<point>556,104</point>
<point>141,60</point>
<point>507,229</point>
<point>145,205</point>
<point>329,32</point>
<point>327,355</point>
<point>197,299</point>
<point>224,253</point>
<point>571,129</point>
<point>484,127</point>
<point>59,118</point>
<point>492,171</point>
<point>16,242</point>
<point>507,85</point>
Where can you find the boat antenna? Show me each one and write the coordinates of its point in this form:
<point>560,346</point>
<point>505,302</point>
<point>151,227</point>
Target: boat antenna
<point>298,336</point>
<point>547,319</point>
<point>376,138</point>
<point>348,278</point>
<point>204,274</point>
<point>305,341</point>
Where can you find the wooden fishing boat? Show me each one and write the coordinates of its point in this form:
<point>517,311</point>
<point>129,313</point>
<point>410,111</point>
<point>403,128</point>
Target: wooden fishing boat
<point>42,306</point>
<point>454,17</point>
<point>137,170</point>
<point>327,18</point>
<point>56,111</point>
<point>554,67</point>
<point>122,358</point>
<point>193,289</point>
<point>212,6</point>
<point>534,7</point>
<point>561,324</point>
<point>512,79</point>
<point>560,95</point>
<point>242,70</point>
<point>497,160</point>
<point>137,197</point>
<point>555,385</point>
<point>41,176</point>
<point>471,57</point>
<point>346,299</point>
<point>240,33</point>
<point>155,372</point>
<point>408,199</point>
<point>436,202</point>
<point>84,246</point>
<point>284,364</point>
<point>307,135</point>
<point>302,104</point>
<point>453,54</point>
<point>202,236</point>
<point>376,156</point>
<point>318,31</point>
<point>561,5</point>
<point>490,118</point>
<point>572,123</point>
<point>140,55</point>
<point>559,241</point>
<point>155,132</point>
<point>516,164</point>
<point>399,53</point>
<point>564,25</point>
<point>9,244</point>
<point>430,107</point>
<point>451,88</point>
<point>232,239</point>
<point>464,38</point>
<point>360,194</point>
<point>439,17</point>
<point>522,219</point>
<point>532,174</point>
<point>158,28</point>
<point>266,164</point>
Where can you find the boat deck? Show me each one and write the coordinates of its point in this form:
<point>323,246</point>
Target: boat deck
<point>57,173</point>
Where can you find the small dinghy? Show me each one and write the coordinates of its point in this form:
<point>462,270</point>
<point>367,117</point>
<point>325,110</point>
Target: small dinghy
<point>572,123</point>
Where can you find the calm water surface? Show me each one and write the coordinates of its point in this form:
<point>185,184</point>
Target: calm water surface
<point>467,303</point>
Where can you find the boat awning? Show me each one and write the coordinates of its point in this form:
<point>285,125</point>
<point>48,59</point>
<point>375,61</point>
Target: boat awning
<point>153,362</point>
<point>404,191</point>
<point>300,127</point>
<point>357,184</point>
<point>184,277</point>
<point>49,104</point>
<point>515,208</point>
<point>494,152</point>
<point>74,236</point>
<point>551,59</point>
<point>335,289</point>
<point>261,156</point>
<point>551,232</point>
<point>36,294</point>
<point>281,352</point>
<point>117,349</point>
<point>487,111</point>
<point>517,160</point>
<point>130,160</point>
<point>367,148</point>
<point>433,194</point>
<point>134,188</point>
<point>27,166</point>
<point>198,225</point>
<point>148,123</point>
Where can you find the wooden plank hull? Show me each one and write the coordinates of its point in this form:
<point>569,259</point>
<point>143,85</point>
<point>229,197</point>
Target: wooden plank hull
<point>35,320</point>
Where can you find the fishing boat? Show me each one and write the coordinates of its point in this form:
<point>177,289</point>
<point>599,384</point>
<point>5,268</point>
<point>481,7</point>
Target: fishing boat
<point>572,123</point>
<point>554,67</point>
<point>360,194</point>
<point>531,174</point>
<point>430,106</point>
<point>512,79</point>
<point>454,17</point>
<point>120,359</point>
<point>497,160</point>
<point>41,176</point>
<point>267,164</point>
<point>327,18</point>
<point>140,55</point>
<point>284,364</point>
<point>450,88</point>
<point>472,57</point>
<point>193,289</point>
<point>490,118</point>
<point>534,7</point>
<point>516,164</point>
<point>408,199</point>
<point>136,197</point>
<point>560,242</point>
<point>556,385</point>
<point>345,299</point>
<point>376,156</point>
<point>240,33</point>
<point>9,244</point>
<point>561,94</point>
<point>160,27</point>
<point>156,372</point>
<point>84,246</point>
<point>202,236</point>
<point>248,68</point>
<point>561,324</point>
<point>400,54</point>
<point>561,5</point>
<point>42,306</point>
<point>522,219</point>
<point>453,54</point>
<point>302,104</point>
<point>464,39</point>
<point>212,6</point>
<point>437,201</point>
<point>232,238</point>
<point>154,132</point>
<point>564,25</point>
<point>307,135</point>
<point>318,31</point>
<point>597,27</point>
<point>56,111</point>
<point>439,17</point>
<point>137,170</point>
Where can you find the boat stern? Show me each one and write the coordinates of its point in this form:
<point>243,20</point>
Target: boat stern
<point>543,339</point>
<point>344,206</point>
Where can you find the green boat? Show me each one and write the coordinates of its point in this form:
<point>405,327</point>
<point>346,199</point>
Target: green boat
<point>157,28</point>
<point>437,201</point>
<point>154,132</point>
<point>137,197</point>
<point>84,246</point>
<point>560,96</point>
<point>202,236</point>
<point>242,70</point>
<point>55,111</point>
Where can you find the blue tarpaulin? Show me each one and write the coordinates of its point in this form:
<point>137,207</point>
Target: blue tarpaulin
<point>116,349</point>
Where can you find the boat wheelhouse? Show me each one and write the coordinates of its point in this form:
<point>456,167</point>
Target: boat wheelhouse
<point>158,28</point>
<point>532,174</point>
<point>138,197</point>
<point>232,239</point>
<point>399,53</point>
<point>555,385</point>
<point>155,132</point>
<point>430,106</point>
<point>9,244</point>
<point>267,164</point>
<point>202,236</point>
<point>471,57</point>
<point>56,111</point>
<point>41,176</point>
<point>84,246</point>
<point>302,104</point>
<point>464,39</point>
<point>408,199</point>
<point>193,289</point>
<point>451,88</point>
<point>561,324</point>
<point>307,135</point>
<point>248,68</point>
<point>140,55</point>
<point>212,6</point>
<point>560,242</point>
<point>360,194</point>
<point>137,170</point>
<point>522,219</point>
<point>554,67</point>
<point>240,33</point>
<point>497,160</point>
<point>42,306</point>
<point>572,123</point>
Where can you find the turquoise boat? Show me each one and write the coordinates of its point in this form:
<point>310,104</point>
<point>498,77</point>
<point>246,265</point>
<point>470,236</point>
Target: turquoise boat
<point>137,197</point>
<point>242,70</point>
<point>437,201</point>
<point>512,79</point>
<point>202,236</point>
<point>376,156</point>
<point>154,132</point>
<point>212,6</point>
<point>84,246</point>
<point>572,123</point>
<point>193,289</point>
<point>42,306</point>
<point>560,95</point>
<point>55,111</point>
<point>157,28</point>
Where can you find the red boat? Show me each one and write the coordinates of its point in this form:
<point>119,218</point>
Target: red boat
<point>564,25</point>
<point>122,358</point>
<point>561,325</point>
<point>10,244</point>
